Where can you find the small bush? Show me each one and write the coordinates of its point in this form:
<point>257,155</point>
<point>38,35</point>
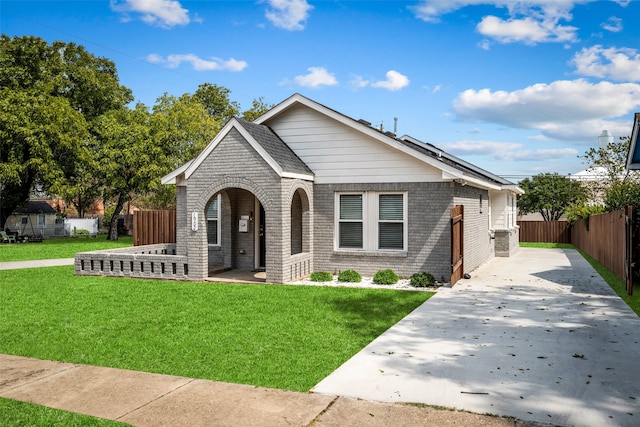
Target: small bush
<point>385,277</point>
<point>422,280</point>
<point>321,276</point>
<point>350,276</point>
<point>81,232</point>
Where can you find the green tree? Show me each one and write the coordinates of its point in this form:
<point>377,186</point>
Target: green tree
<point>549,194</point>
<point>216,101</point>
<point>39,140</point>
<point>131,162</point>
<point>184,127</point>
<point>49,95</point>
<point>617,187</point>
<point>258,108</point>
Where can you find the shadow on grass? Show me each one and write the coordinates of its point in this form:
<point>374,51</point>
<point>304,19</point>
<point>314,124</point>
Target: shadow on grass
<point>369,315</point>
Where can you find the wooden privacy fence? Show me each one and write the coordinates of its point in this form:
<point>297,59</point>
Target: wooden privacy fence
<point>153,227</point>
<point>604,237</point>
<point>545,231</point>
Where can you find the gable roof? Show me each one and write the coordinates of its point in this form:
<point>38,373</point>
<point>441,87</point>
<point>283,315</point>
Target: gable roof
<point>267,144</point>
<point>36,207</point>
<point>452,167</point>
<point>276,148</point>
<point>633,158</point>
<point>284,161</point>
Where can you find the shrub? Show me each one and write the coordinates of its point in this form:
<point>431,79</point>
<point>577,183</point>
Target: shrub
<point>81,232</point>
<point>422,280</point>
<point>385,277</point>
<point>321,276</point>
<point>350,276</point>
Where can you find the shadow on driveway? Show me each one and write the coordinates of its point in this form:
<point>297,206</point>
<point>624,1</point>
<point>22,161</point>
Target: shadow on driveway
<point>539,336</point>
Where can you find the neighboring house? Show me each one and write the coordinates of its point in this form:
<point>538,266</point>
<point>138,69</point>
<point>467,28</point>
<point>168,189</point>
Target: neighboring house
<point>304,188</point>
<point>37,218</point>
<point>633,159</point>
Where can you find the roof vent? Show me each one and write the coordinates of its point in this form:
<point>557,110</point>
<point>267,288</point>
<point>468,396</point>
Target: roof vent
<point>391,134</point>
<point>364,122</point>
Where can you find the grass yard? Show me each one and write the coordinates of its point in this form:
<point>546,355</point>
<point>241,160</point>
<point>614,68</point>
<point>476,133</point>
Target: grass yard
<point>287,337</point>
<point>63,247</point>
<point>21,414</point>
<point>616,283</point>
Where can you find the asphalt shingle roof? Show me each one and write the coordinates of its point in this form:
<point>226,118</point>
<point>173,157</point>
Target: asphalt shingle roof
<point>276,147</point>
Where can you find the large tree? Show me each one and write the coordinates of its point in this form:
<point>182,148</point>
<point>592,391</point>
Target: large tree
<point>183,127</point>
<point>128,157</point>
<point>549,194</point>
<point>49,96</point>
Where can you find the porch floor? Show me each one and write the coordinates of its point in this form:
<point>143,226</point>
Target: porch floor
<point>238,276</point>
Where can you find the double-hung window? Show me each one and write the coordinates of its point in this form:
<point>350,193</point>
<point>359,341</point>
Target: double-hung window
<point>351,221</point>
<point>391,221</point>
<point>213,222</point>
<point>371,221</point>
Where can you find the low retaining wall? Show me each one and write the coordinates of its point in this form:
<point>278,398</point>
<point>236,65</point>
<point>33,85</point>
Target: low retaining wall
<point>150,262</point>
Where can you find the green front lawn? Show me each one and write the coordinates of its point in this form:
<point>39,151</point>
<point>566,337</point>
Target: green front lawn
<point>287,337</point>
<point>64,247</point>
<point>22,414</point>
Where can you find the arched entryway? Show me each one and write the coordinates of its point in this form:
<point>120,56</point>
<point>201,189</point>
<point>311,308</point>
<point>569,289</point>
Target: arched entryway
<point>300,222</point>
<point>236,234</point>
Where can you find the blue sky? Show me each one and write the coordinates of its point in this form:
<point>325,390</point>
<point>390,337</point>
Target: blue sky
<point>515,87</point>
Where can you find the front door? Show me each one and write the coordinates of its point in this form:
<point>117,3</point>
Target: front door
<point>262,240</point>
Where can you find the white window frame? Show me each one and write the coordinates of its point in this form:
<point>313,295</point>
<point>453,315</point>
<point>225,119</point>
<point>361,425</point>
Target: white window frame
<point>218,225</point>
<point>371,220</point>
<point>41,219</point>
<point>511,204</point>
<point>338,220</point>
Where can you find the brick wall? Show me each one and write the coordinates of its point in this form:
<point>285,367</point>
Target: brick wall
<point>429,231</point>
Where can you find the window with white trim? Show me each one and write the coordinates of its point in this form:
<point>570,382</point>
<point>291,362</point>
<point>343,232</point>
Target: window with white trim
<point>213,222</point>
<point>351,221</point>
<point>391,221</point>
<point>511,208</point>
<point>372,221</point>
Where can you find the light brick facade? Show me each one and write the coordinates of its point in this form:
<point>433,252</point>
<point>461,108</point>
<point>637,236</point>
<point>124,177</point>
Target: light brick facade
<point>288,214</point>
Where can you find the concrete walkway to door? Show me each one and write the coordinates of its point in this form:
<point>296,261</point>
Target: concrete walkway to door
<point>538,336</point>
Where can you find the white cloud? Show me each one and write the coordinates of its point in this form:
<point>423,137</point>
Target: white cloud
<point>316,77</point>
<point>198,64</point>
<point>431,10</point>
<point>622,64</point>
<point>613,24</point>
<point>161,13</point>
<point>567,109</point>
<point>395,81</point>
<point>528,21</point>
<point>358,82</point>
<point>526,30</point>
<point>288,14</point>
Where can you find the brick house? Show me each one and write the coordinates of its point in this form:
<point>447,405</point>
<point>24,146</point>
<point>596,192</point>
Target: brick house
<point>305,188</point>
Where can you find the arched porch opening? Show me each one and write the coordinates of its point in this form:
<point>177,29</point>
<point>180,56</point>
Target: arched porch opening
<point>300,223</point>
<point>236,230</point>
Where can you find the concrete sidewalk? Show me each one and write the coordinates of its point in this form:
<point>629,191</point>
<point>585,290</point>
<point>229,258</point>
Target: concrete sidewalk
<point>144,399</point>
<point>539,336</point>
<point>13,265</point>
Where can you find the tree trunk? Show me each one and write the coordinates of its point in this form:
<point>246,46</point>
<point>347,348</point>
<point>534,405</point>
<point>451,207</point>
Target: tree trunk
<point>113,224</point>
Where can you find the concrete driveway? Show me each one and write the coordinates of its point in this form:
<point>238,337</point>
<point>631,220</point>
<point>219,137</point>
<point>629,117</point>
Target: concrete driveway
<point>538,336</point>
